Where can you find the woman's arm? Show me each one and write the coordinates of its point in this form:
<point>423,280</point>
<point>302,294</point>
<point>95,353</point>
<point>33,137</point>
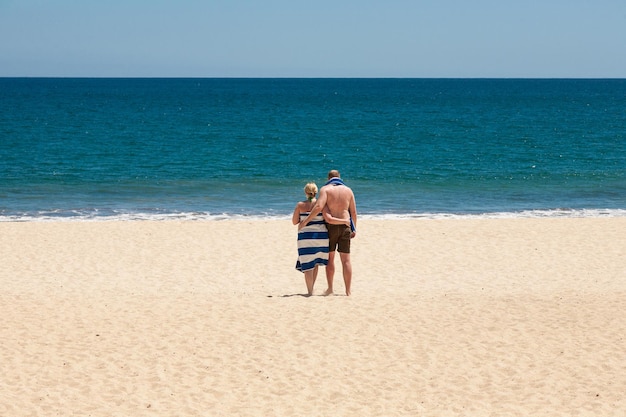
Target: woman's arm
<point>330,219</point>
<point>295,218</point>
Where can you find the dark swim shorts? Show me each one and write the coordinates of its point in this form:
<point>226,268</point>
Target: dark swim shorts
<point>339,237</point>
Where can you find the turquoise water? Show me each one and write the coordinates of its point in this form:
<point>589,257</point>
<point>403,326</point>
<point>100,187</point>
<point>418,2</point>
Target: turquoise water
<point>222,148</point>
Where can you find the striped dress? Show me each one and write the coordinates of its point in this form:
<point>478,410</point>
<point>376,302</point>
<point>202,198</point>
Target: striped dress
<point>312,243</point>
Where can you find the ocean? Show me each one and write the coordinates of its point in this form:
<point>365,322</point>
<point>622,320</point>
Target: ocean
<point>108,149</point>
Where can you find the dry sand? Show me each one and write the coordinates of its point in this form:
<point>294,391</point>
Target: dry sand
<point>515,317</point>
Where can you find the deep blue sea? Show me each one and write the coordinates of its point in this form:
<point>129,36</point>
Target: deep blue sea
<point>76,149</point>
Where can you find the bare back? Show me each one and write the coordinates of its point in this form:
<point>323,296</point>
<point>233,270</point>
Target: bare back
<point>339,200</point>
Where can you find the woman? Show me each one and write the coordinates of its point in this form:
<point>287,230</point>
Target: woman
<point>312,239</point>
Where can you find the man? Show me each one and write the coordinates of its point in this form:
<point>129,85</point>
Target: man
<point>337,203</point>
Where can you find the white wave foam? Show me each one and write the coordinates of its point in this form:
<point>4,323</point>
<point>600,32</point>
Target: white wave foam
<point>199,216</point>
<point>555,213</point>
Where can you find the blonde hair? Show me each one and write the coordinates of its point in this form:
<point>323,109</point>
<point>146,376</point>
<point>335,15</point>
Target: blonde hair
<point>310,189</point>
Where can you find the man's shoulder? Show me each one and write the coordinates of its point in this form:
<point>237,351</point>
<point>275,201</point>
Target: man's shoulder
<point>347,188</point>
<point>338,187</point>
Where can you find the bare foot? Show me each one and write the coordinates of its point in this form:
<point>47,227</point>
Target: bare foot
<point>328,292</point>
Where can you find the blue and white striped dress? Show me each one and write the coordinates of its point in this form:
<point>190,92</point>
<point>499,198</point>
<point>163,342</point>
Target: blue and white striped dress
<point>312,243</point>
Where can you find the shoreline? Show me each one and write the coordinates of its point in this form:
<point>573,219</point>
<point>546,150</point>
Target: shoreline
<point>199,216</point>
<point>474,317</point>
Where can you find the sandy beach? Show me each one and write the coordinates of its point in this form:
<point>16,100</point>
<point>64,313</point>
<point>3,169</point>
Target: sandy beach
<point>469,317</point>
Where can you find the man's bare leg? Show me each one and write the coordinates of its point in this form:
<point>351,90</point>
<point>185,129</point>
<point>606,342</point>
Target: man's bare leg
<point>347,271</point>
<point>330,273</point>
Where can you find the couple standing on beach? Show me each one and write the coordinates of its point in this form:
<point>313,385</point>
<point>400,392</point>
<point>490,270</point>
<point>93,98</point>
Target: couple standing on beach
<point>325,225</point>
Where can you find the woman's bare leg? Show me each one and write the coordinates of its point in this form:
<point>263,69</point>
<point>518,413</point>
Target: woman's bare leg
<point>309,279</point>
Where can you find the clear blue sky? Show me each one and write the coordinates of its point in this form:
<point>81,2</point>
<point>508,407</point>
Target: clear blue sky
<point>322,38</point>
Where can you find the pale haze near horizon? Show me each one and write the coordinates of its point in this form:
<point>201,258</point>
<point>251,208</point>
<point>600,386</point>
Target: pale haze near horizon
<point>280,38</point>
